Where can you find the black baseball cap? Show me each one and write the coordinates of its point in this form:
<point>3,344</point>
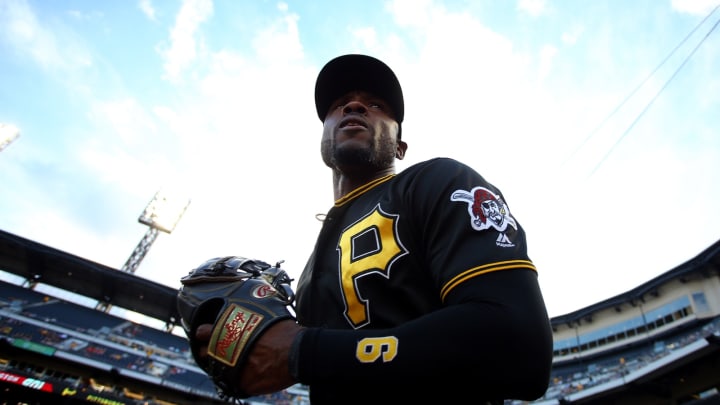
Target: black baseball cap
<point>357,72</point>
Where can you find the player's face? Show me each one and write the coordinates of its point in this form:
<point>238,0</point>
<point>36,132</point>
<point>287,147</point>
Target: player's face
<point>360,133</point>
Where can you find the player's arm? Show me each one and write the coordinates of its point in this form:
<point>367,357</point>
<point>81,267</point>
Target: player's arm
<point>494,333</point>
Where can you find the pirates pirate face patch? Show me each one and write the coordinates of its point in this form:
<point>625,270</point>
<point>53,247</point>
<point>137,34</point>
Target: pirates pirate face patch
<point>487,209</point>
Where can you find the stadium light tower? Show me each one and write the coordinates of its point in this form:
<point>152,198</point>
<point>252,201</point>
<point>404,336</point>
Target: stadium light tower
<point>8,133</point>
<point>162,214</point>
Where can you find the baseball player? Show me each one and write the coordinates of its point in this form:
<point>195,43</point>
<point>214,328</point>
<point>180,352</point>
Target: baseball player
<point>420,287</point>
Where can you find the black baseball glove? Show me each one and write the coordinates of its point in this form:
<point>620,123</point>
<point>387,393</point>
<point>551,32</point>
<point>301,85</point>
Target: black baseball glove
<point>241,298</point>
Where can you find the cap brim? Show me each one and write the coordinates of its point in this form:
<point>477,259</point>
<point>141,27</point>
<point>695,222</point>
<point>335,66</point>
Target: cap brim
<point>357,72</point>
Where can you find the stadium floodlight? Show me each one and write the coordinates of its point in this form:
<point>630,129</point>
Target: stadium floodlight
<point>162,214</point>
<point>8,133</point>
<point>164,211</point>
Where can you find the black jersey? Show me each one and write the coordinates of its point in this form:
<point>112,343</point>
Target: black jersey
<point>407,299</point>
<point>394,249</point>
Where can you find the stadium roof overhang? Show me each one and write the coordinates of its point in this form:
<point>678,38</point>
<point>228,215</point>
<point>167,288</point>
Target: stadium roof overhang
<point>38,263</point>
<point>704,265</point>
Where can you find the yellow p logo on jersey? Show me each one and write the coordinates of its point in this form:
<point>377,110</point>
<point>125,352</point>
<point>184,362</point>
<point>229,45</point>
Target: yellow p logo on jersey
<point>370,349</point>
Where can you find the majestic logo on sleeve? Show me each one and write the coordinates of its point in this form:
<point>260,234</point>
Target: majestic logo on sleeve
<point>487,210</point>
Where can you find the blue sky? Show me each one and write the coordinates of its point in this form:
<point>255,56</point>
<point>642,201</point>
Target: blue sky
<point>116,100</point>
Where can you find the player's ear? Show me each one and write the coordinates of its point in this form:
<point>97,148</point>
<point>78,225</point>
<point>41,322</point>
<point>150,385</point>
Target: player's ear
<point>400,150</point>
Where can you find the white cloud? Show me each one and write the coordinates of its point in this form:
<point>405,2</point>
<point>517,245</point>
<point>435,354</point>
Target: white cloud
<point>247,116</point>
<point>125,147</point>
<point>547,54</point>
<point>411,13</point>
<point>534,8</point>
<point>183,47</point>
<point>695,7</point>
<point>84,16</point>
<point>479,84</point>
<point>40,41</point>
<point>147,8</point>
<point>126,118</point>
<point>571,37</point>
<point>367,36</point>
<point>279,42</point>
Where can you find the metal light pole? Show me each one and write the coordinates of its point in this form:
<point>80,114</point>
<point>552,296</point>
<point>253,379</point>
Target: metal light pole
<point>8,133</point>
<point>162,214</point>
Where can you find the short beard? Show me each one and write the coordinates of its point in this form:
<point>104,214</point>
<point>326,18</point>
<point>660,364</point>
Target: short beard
<point>376,159</point>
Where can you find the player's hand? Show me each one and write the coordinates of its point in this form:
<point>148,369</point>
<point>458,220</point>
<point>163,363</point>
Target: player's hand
<point>267,367</point>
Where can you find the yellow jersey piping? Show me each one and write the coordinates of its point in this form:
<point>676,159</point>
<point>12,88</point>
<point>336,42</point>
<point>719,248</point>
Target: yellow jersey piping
<point>484,269</point>
<point>365,187</point>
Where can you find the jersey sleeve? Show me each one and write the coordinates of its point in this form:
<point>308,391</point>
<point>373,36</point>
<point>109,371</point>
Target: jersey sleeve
<point>466,225</point>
